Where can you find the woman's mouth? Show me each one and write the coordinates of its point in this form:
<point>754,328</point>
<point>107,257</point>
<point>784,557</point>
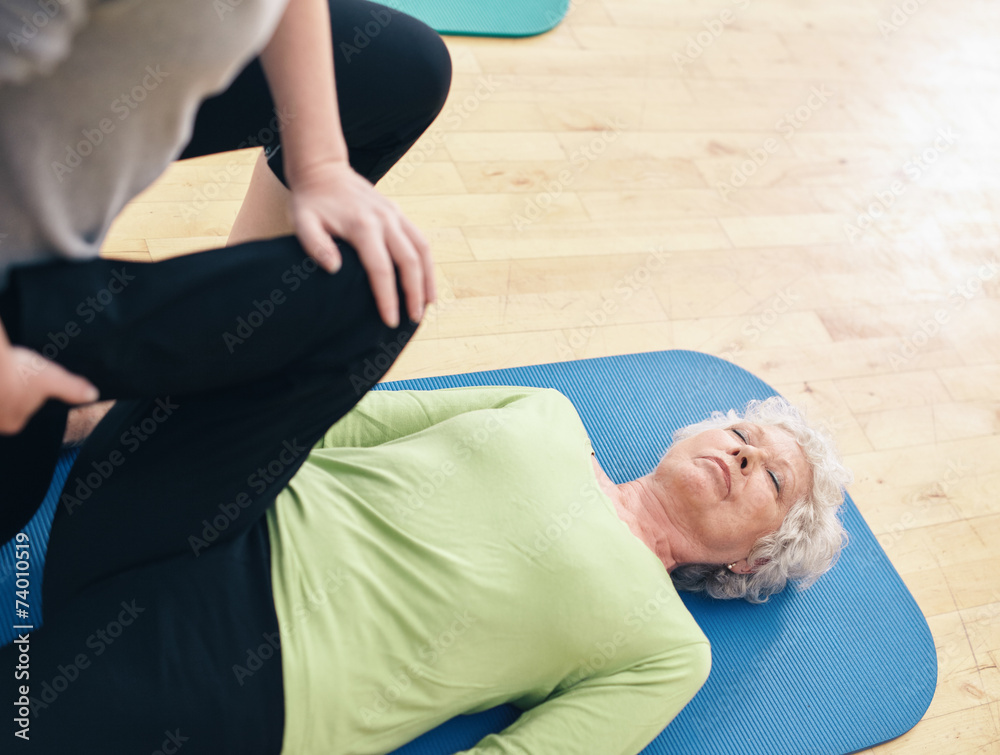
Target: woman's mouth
<point>726,476</point>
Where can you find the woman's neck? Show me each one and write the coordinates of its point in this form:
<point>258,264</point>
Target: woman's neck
<point>639,506</point>
<point>643,505</point>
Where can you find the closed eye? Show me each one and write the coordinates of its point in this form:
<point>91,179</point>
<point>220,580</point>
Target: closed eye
<point>776,481</point>
<point>774,478</point>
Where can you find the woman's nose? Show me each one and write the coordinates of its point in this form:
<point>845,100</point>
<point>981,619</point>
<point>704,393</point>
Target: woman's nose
<point>748,458</point>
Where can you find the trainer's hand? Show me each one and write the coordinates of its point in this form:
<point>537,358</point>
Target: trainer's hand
<point>330,199</point>
<point>28,380</point>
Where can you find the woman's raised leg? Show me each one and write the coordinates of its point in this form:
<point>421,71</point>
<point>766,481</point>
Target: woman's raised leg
<point>237,360</point>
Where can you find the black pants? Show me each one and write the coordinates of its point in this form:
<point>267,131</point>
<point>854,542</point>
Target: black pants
<point>228,366</point>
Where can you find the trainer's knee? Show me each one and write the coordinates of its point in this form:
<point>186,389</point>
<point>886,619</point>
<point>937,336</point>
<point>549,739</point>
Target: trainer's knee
<point>433,68</point>
<point>423,65</point>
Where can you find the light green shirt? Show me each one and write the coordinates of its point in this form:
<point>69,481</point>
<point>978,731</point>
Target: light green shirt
<point>443,552</point>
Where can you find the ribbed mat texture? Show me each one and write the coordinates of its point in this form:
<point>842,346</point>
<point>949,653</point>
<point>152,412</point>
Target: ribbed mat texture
<point>841,667</point>
<point>11,570</point>
<point>487,18</point>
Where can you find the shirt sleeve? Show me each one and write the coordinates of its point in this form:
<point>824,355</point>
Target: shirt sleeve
<point>383,416</point>
<point>37,36</point>
<point>618,714</point>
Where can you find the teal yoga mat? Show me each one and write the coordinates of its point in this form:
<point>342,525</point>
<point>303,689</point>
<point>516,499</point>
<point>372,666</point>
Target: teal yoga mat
<point>841,667</point>
<point>489,18</point>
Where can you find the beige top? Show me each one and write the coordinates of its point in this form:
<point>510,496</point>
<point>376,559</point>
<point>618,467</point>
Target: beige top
<point>77,143</point>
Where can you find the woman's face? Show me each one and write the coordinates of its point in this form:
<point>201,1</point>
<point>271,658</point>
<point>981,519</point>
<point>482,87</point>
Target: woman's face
<point>730,487</point>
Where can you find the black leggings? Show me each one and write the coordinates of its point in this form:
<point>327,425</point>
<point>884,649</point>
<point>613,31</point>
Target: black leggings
<point>228,366</point>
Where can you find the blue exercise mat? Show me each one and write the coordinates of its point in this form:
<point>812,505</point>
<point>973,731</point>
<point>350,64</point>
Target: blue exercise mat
<point>841,667</point>
<point>37,532</point>
<point>488,18</point>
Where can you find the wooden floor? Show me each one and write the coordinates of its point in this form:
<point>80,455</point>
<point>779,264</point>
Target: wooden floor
<point>811,191</point>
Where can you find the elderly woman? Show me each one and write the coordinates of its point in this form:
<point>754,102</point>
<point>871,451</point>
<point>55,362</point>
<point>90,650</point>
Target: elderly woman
<point>438,553</point>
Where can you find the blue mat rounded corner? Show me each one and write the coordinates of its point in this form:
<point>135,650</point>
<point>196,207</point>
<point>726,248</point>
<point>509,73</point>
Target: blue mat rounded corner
<point>841,667</point>
<point>485,18</point>
<point>846,665</point>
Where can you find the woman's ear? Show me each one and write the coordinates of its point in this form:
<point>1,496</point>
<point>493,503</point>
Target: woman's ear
<point>740,567</point>
<point>743,567</point>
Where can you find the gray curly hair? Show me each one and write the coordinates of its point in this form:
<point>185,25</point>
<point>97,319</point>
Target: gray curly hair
<point>811,536</point>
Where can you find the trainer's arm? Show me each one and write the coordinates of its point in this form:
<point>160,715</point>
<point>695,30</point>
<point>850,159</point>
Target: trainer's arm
<point>328,198</point>
<point>298,63</point>
<point>28,380</point>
